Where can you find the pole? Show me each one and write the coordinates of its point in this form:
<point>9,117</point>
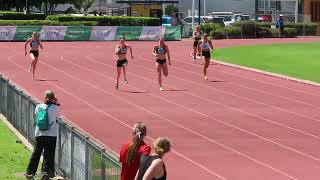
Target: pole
<point>27,7</point>
<point>296,12</point>
<point>163,9</point>
<point>192,14</point>
<point>204,7</point>
<point>199,13</point>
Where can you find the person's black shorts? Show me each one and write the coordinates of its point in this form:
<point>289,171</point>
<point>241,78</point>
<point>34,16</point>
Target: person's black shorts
<point>206,54</point>
<point>35,53</point>
<point>161,61</point>
<point>195,43</point>
<point>121,63</point>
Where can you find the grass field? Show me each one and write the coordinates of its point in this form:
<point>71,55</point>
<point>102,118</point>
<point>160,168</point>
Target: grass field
<point>295,60</point>
<point>13,157</point>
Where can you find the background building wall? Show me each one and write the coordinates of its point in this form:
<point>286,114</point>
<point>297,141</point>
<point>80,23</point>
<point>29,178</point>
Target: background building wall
<point>245,6</point>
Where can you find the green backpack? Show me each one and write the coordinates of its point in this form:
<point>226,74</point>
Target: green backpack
<point>42,118</point>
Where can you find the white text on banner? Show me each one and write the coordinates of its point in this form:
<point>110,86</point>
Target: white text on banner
<point>103,33</point>
<point>7,33</point>
<point>54,33</point>
<point>151,33</point>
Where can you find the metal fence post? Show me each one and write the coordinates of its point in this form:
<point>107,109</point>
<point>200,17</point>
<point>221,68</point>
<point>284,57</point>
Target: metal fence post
<point>6,97</point>
<point>59,146</point>
<point>241,31</point>
<point>255,30</point>
<point>72,152</point>
<point>103,165</point>
<point>20,112</point>
<point>86,158</point>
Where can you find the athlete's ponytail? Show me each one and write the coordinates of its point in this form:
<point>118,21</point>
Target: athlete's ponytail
<point>162,145</point>
<point>138,133</point>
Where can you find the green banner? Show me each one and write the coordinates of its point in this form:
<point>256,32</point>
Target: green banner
<point>93,33</point>
<point>25,32</point>
<point>172,33</point>
<point>78,33</point>
<point>128,32</point>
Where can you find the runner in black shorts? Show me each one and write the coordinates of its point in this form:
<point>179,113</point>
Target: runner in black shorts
<point>160,51</point>
<point>205,47</point>
<point>34,42</point>
<point>197,34</point>
<point>121,52</point>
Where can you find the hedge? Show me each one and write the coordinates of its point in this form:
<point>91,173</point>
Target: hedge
<point>233,32</point>
<point>209,27</point>
<point>308,28</point>
<point>274,33</point>
<point>45,22</point>
<point>218,34</point>
<point>110,20</point>
<point>247,29</point>
<point>5,15</point>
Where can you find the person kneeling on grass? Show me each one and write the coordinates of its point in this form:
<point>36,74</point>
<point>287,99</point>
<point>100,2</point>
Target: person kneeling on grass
<point>46,132</point>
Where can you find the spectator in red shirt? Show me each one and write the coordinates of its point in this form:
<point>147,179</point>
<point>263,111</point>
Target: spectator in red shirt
<point>131,152</point>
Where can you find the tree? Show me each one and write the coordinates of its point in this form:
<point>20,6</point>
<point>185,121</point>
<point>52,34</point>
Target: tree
<point>77,4</point>
<point>170,9</point>
<point>7,5</point>
<point>85,4</point>
<point>54,3</point>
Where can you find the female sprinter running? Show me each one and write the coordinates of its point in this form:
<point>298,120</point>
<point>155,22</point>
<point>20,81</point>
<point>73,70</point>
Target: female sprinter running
<point>197,34</point>
<point>34,42</point>
<point>160,51</point>
<point>205,47</point>
<point>121,52</point>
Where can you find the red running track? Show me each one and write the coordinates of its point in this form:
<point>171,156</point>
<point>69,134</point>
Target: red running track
<point>238,125</point>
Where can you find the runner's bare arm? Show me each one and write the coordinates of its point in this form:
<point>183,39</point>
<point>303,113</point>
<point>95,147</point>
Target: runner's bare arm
<point>168,54</point>
<point>25,46</point>
<point>117,50</point>
<point>210,44</point>
<point>130,48</point>
<point>40,42</point>
<point>154,52</point>
<point>199,47</point>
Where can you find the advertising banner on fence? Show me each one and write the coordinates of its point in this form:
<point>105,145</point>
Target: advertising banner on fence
<point>103,33</point>
<point>128,32</point>
<point>78,33</point>
<point>25,32</point>
<point>53,33</point>
<point>172,33</point>
<point>7,33</point>
<point>93,33</point>
<point>151,33</point>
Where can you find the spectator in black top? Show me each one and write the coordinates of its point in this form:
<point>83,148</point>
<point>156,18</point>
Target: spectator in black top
<point>152,167</point>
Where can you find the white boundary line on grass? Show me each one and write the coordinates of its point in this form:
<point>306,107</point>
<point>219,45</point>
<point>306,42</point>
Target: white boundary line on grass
<point>267,73</point>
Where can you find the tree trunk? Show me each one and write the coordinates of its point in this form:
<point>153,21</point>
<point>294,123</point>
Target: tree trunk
<point>46,7</point>
<point>27,6</point>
